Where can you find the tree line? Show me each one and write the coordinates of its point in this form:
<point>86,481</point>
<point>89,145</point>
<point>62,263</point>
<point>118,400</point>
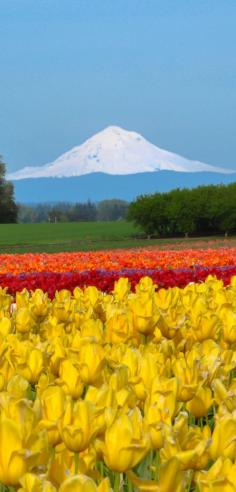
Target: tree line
<point>10,212</point>
<point>73,212</point>
<point>199,211</point>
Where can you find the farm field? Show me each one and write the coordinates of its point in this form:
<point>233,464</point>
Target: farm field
<point>88,236</point>
<point>118,367</point>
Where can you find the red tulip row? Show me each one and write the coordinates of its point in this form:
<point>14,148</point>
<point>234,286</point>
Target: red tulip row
<point>104,280</point>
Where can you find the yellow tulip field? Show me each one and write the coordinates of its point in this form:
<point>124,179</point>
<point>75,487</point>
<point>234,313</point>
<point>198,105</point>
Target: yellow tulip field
<point>127,390</point>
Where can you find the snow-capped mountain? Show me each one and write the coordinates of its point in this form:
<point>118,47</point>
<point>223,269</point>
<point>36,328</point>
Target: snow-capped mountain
<point>114,151</point>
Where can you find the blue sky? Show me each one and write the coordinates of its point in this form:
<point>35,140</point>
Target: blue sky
<point>69,68</point>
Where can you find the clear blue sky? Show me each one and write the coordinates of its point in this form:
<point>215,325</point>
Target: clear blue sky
<point>164,68</point>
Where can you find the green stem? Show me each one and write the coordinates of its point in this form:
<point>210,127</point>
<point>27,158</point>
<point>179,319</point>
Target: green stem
<point>117,482</point>
<point>76,458</point>
<point>157,464</point>
<point>129,486</point>
<point>190,481</point>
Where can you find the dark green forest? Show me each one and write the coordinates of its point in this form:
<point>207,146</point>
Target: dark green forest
<point>200,211</point>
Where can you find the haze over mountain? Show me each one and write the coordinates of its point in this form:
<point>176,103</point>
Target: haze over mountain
<point>114,151</point>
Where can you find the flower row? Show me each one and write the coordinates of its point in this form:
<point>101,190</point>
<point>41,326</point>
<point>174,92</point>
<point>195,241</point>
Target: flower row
<point>124,390</point>
<point>50,282</point>
<point>115,260</point>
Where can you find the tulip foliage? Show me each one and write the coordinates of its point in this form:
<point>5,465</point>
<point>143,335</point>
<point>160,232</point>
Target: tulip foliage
<point>130,390</point>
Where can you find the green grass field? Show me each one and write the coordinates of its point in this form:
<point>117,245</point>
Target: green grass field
<point>83,236</point>
<point>66,236</point>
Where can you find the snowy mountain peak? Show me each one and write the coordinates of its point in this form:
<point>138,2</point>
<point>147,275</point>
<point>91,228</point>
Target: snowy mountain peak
<point>114,151</point>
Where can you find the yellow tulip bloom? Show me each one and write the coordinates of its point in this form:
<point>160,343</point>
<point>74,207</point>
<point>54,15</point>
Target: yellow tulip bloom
<point>201,402</point>
<point>5,326</point>
<point>126,442</point>
<point>171,479</point>
<point>121,288</point>
<point>91,362</point>
<point>53,403</point>
<point>40,304</point>
<point>18,386</point>
<point>33,365</point>
<point>219,478</point>
<point>78,426</point>
<point>24,321</point>
<point>13,463</point>
<point>120,327</point>
<point>70,378</point>
<point>32,483</point>
<point>82,483</point>
<point>224,438</point>
<point>145,314</point>
<point>187,374</point>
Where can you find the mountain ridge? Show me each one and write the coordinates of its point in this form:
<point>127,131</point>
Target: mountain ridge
<point>99,186</point>
<point>114,151</point>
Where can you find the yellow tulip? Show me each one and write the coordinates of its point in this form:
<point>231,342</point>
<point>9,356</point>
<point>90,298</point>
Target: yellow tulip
<point>92,295</point>
<point>194,458</point>
<point>154,421</point>
<point>207,326</point>
<point>26,417</point>
<point>126,442</point>
<point>58,354</point>
<point>145,286</point>
<point>32,483</point>
<point>92,329</point>
<point>63,310</point>
<point>172,479</point>
<point>201,402</point>
<point>164,299</point>
<point>189,445</point>
<point>5,326</point>
<point>70,378</point>
<point>133,359</point>
<point>5,299</point>
<point>61,464</point>
<point>51,329</point>
<point>33,365</point>
<point>24,321</point>
<point>120,327</point>
<point>224,438</point>
<point>219,478</point>
<point>104,398</point>
<point>40,304</point>
<point>163,394</point>
<point>187,374</point>
<point>18,386</point>
<point>91,362</point>
<point>145,314</point>
<point>228,318</point>
<point>82,483</point>
<point>52,400</point>
<point>121,288</point>
<point>13,456</point>
<point>148,369</point>
<point>77,425</point>
<point>118,382</point>
<point>22,299</point>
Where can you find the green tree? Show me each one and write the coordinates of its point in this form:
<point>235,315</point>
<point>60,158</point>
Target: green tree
<point>112,209</point>
<point>8,207</point>
<point>203,210</point>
